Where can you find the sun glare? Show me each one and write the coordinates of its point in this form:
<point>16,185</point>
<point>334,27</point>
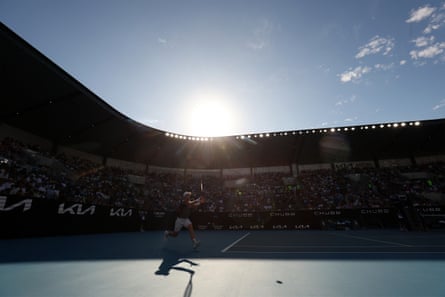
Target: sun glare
<point>210,116</point>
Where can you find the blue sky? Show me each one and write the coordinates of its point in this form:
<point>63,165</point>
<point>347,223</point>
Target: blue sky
<point>207,68</point>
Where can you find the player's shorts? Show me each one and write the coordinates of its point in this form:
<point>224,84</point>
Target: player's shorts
<point>181,222</point>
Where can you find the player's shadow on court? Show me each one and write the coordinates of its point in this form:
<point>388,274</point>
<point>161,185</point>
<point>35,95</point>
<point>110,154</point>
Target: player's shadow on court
<point>170,261</point>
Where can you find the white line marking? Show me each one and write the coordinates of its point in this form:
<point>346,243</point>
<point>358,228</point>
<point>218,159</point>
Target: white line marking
<point>325,246</point>
<point>293,252</point>
<point>235,242</point>
<point>374,240</point>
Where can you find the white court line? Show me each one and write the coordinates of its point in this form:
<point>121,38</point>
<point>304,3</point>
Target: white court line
<point>294,252</point>
<point>235,242</point>
<point>374,240</point>
<point>324,246</point>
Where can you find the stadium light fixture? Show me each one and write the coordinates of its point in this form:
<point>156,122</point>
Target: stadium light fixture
<point>417,123</point>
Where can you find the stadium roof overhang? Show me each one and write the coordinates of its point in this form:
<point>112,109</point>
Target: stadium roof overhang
<point>41,98</point>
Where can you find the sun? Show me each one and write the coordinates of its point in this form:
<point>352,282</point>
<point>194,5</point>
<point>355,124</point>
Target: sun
<point>210,116</point>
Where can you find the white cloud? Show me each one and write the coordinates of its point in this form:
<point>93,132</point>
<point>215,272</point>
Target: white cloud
<point>420,14</point>
<point>430,28</point>
<point>429,52</point>
<point>324,68</point>
<point>403,62</point>
<point>346,101</point>
<point>440,105</point>
<point>162,40</point>
<point>423,41</point>
<point>376,45</point>
<point>257,45</point>
<point>426,46</point>
<point>261,35</point>
<point>384,66</point>
<point>437,21</point>
<point>149,121</point>
<point>354,74</point>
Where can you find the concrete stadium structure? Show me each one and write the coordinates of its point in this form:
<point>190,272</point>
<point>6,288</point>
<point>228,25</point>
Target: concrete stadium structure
<point>41,103</point>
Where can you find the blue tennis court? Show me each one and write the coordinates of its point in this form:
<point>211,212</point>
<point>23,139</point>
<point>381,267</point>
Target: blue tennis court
<point>228,263</point>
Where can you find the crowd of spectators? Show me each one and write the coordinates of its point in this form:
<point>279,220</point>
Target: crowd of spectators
<point>29,171</point>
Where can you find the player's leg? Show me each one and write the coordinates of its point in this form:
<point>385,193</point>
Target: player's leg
<point>189,227</point>
<point>191,232</point>
<point>175,231</point>
<point>169,233</point>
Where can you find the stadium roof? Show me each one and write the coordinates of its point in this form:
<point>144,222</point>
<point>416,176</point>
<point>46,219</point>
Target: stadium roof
<point>41,98</point>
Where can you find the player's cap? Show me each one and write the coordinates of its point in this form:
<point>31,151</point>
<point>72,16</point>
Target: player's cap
<point>187,194</point>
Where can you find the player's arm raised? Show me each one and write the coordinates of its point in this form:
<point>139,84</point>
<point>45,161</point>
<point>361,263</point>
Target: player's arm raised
<point>197,202</point>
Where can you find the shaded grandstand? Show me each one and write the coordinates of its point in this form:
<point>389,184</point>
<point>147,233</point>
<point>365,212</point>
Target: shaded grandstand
<point>45,106</point>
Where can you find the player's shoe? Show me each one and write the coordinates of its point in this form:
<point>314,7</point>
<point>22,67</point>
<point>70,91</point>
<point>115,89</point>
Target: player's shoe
<point>166,235</point>
<point>196,244</point>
